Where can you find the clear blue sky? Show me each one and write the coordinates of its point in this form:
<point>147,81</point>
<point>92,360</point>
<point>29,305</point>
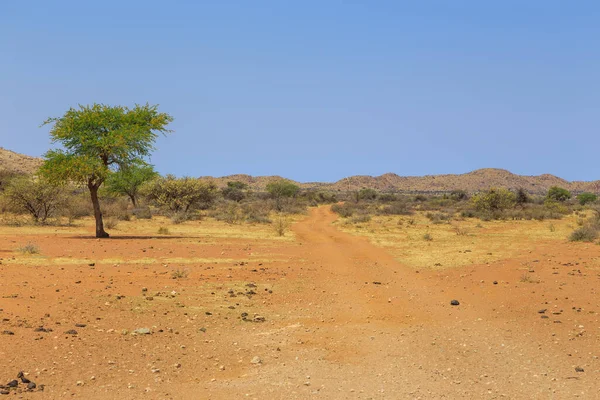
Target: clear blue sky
<point>319,90</point>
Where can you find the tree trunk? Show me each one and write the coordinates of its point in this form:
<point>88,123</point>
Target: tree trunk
<point>100,232</point>
<point>132,197</point>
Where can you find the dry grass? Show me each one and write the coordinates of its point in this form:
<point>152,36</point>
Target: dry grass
<point>461,243</point>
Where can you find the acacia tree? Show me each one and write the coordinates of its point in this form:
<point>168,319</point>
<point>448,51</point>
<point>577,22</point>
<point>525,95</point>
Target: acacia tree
<point>97,141</point>
<point>128,180</point>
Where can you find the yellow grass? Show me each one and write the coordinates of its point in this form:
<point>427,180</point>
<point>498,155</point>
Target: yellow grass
<point>458,243</point>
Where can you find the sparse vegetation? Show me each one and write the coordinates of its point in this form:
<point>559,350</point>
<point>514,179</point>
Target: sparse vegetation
<point>163,230</point>
<point>558,194</point>
<point>179,274</point>
<point>29,248</point>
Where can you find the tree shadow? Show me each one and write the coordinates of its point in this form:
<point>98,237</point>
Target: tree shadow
<point>129,237</point>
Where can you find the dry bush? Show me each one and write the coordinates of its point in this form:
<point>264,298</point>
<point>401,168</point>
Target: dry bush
<point>281,225</point>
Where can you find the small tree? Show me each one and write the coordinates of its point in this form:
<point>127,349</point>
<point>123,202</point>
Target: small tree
<point>235,191</point>
<point>180,195</point>
<point>97,141</point>
<point>281,189</point>
<point>36,197</point>
<point>586,197</point>
<point>128,180</point>
<point>459,195</point>
<point>495,199</point>
<point>556,193</point>
<point>522,197</point>
<point>366,194</point>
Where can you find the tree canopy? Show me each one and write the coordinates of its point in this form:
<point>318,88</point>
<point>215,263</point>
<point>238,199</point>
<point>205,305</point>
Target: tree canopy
<point>99,140</point>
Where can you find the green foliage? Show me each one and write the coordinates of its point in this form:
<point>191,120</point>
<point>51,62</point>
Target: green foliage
<point>556,193</point>
<point>522,197</point>
<point>495,199</point>
<point>180,195</point>
<point>282,188</point>
<point>98,140</point>
<point>128,180</point>
<point>586,233</point>
<point>585,198</point>
<point>29,248</point>
<point>37,197</point>
<point>235,191</point>
<point>459,195</point>
<point>366,194</point>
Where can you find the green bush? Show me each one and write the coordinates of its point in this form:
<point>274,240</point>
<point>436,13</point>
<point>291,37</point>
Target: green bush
<point>180,195</point>
<point>495,199</point>
<point>585,198</point>
<point>559,194</point>
<point>36,197</point>
<point>586,233</point>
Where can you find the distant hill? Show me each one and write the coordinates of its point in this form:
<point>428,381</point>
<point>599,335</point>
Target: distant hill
<point>480,179</point>
<point>474,181</point>
<point>18,163</point>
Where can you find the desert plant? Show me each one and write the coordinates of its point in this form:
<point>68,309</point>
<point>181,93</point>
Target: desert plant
<point>586,233</point>
<point>37,197</point>
<point>111,222</point>
<point>142,213</point>
<point>366,194</point>
<point>281,225</point>
<point>427,237</point>
<point>163,230</point>
<point>585,198</point>
<point>180,195</point>
<point>495,199</point>
<point>96,140</point>
<point>29,248</point>
<point>559,194</point>
<point>128,180</point>
<point>521,196</point>
<point>179,274</point>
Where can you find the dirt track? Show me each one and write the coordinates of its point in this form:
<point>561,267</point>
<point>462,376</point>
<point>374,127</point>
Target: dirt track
<point>344,320</point>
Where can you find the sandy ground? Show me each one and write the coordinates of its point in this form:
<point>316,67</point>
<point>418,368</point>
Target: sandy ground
<point>326,315</point>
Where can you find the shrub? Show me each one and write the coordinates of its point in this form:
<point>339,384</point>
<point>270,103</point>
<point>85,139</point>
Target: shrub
<point>427,237</point>
<point>29,248</point>
<point>559,194</point>
<point>459,195</point>
<point>343,210</point>
<point>366,194</point>
<point>438,218</point>
<point>111,222</point>
<point>585,198</point>
<point>180,195</point>
<point>142,213</point>
<point>163,230</point>
<point>396,208</point>
<point>36,197</point>
<point>361,218</point>
<point>522,197</point>
<point>179,274</point>
<point>281,225</point>
<point>235,191</point>
<point>586,233</point>
<point>495,199</point>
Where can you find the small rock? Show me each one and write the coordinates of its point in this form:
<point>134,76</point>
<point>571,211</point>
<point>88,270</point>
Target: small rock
<point>579,369</point>
<point>454,303</point>
<point>256,360</point>
<point>8,333</point>
<point>13,384</point>
<point>542,311</point>
<point>80,383</point>
<point>80,325</point>
<point>71,332</point>
<point>142,331</point>
<point>495,282</point>
<point>31,385</point>
<point>3,391</point>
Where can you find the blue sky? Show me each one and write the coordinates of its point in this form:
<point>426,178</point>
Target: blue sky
<point>319,90</point>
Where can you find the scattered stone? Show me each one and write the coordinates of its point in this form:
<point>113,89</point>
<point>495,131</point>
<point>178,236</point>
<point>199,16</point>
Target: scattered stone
<point>4,391</point>
<point>144,289</point>
<point>8,333</point>
<point>256,360</point>
<point>13,384</point>
<point>495,282</point>
<point>579,369</point>
<point>31,385</point>
<point>42,329</point>
<point>454,303</point>
<point>141,331</point>
<point>71,332</point>
<point>80,325</point>
<point>92,264</point>
<point>542,311</point>
<point>376,283</point>
<point>202,330</point>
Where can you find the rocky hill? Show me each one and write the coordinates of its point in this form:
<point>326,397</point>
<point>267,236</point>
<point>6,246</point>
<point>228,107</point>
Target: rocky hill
<point>474,181</point>
<point>18,163</point>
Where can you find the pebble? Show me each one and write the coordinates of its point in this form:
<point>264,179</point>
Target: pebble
<point>454,303</point>
<point>256,360</point>
<point>141,331</point>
